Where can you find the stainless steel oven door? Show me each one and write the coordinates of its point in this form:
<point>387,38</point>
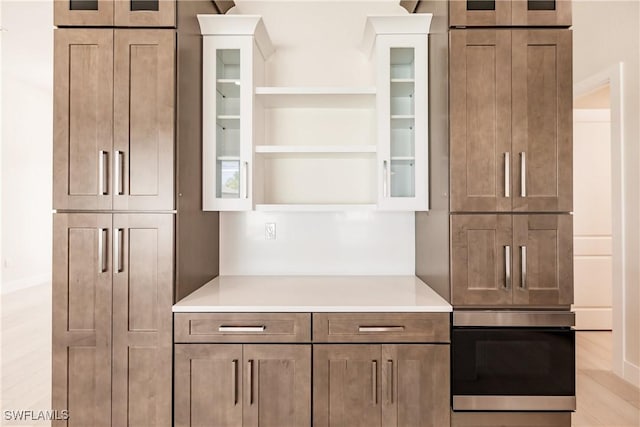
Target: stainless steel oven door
<point>513,361</point>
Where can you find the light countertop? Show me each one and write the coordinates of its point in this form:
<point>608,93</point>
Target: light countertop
<point>314,294</point>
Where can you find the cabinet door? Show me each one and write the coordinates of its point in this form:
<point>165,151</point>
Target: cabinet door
<point>481,253</point>
<point>144,113</point>
<point>402,122</point>
<point>145,13</point>
<point>81,365</point>
<point>83,118</point>
<point>542,120</point>
<point>142,322</point>
<point>480,120</point>
<point>227,124</point>
<point>479,13</point>
<point>543,261</point>
<point>208,385</point>
<point>541,13</point>
<point>346,385</point>
<point>277,387</point>
<point>83,13</point>
<point>415,381</point>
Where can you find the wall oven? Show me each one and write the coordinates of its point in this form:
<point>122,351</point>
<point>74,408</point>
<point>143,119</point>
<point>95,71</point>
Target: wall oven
<point>513,361</point>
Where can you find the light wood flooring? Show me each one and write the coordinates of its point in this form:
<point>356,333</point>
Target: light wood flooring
<point>25,348</point>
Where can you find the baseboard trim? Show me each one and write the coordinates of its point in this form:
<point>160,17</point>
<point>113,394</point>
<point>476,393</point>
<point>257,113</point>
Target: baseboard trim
<point>631,373</point>
<point>593,318</point>
<point>27,282</point>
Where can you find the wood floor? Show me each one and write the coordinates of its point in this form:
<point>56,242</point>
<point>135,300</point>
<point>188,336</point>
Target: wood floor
<point>603,398</point>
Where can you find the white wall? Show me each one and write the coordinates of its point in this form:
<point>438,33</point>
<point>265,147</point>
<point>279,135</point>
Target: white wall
<point>605,33</point>
<point>27,75</point>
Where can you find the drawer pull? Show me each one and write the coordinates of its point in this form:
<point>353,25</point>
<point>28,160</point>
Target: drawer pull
<point>380,328</point>
<point>242,328</point>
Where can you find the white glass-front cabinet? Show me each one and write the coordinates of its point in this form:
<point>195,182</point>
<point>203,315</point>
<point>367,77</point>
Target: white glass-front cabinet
<point>401,59</point>
<point>233,62</point>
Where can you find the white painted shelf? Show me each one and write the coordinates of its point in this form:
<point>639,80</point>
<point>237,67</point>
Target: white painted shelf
<point>229,88</point>
<point>228,122</point>
<point>313,149</point>
<point>316,97</point>
<point>228,158</point>
<point>315,207</point>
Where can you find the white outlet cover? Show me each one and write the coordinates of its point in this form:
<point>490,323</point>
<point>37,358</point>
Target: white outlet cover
<point>270,231</point>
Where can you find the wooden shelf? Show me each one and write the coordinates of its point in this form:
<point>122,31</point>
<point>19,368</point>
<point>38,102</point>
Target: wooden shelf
<point>315,208</point>
<point>315,149</point>
<point>316,97</point>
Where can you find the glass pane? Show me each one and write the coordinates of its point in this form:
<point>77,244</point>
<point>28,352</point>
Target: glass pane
<point>541,4</point>
<point>141,5</point>
<point>228,123</point>
<point>481,5</point>
<point>83,4</point>
<point>402,122</point>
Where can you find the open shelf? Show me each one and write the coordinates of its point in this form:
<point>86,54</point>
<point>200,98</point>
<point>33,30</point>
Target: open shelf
<point>316,97</point>
<point>315,207</point>
<point>313,149</point>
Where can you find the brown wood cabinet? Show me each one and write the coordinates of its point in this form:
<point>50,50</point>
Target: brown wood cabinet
<point>112,284</point>
<point>521,260</point>
<point>242,385</point>
<point>114,119</point>
<point>119,13</point>
<point>380,385</point>
<point>507,13</point>
<point>510,121</point>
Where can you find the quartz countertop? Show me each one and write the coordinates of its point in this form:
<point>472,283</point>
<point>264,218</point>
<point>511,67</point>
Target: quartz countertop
<point>313,294</point>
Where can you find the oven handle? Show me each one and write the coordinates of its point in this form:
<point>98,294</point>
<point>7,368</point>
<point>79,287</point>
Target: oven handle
<point>514,403</point>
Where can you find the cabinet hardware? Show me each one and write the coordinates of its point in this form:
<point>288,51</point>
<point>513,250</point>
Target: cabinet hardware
<point>374,381</point>
<point>380,328</point>
<point>234,381</point>
<point>507,175</point>
<point>390,383</point>
<point>118,242</point>
<point>103,173</point>
<point>507,267</point>
<point>385,179</point>
<point>246,180</point>
<point>119,164</point>
<point>224,328</point>
<point>523,267</point>
<point>523,175</point>
<point>102,250</point>
<point>250,369</point>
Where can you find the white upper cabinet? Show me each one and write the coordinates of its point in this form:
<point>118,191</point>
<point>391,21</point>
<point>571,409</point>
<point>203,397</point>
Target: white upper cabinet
<point>234,50</point>
<point>399,45</point>
<point>321,146</point>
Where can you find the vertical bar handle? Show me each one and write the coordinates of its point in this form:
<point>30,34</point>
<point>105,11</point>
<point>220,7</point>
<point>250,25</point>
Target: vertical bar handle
<point>385,179</point>
<point>102,250</point>
<point>390,383</point>
<point>507,174</point>
<point>103,173</point>
<point>523,267</point>
<point>374,381</point>
<point>523,174</point>
<point>118,246</point>
<point>234,381</point>
<point>507,267</point>
<point>250,369</point>
<point>119,166</point>
<point>246,180</point>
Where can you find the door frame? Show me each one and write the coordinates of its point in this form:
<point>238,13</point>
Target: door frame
<point>613,76</point>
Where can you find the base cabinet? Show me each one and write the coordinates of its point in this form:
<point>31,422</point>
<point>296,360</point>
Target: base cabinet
<point>391,385</point>
<point>242,385</point>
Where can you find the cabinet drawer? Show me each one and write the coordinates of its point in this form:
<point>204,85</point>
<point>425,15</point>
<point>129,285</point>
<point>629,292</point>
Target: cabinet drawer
<point>381,327</point>
<point>241,327</point>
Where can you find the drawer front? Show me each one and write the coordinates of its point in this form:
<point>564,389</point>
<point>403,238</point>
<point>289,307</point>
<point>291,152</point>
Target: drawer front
<point>241,327</point>
<point>381,327</point>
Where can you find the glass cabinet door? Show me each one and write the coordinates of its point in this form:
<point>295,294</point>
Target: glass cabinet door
<point>402,115</point>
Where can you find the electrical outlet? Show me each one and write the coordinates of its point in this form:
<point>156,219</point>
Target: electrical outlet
<point>270,231</point>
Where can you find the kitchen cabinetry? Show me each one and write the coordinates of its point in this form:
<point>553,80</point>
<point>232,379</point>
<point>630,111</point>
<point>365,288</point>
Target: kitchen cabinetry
<point>114,119</point>
<point>507,13</point>
<point>517,154</point>
<point>521,260</point>
<point>112,282</point>
<point>119,13</point>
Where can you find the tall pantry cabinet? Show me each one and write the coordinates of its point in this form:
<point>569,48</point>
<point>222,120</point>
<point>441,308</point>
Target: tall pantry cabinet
<point>510,112</point>
<point>114,226</point>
